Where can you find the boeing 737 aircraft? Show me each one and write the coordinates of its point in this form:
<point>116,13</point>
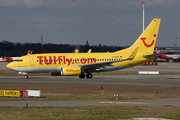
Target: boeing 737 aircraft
<point>79,64</point>
<point>10,59</point>
<point>77,49</point>
<point>168,58</point>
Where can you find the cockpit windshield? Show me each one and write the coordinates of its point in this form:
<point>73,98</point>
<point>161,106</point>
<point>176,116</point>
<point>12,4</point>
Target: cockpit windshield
<point>18,60</point>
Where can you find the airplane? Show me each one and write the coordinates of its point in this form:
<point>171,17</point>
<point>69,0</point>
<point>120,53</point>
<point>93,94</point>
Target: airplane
<point>168,58</point>
<point>77,49</point>
<point>10,59</point>
<point>70,64</point>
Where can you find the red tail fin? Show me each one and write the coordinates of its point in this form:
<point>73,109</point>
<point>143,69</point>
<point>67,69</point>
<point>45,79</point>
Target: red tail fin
<point>29,52</point>
<point>158,50</point>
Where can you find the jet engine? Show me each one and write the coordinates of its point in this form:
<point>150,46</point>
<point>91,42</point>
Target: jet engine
<point>67,71</point>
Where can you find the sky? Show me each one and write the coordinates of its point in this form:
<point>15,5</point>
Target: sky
<point>105,22</point>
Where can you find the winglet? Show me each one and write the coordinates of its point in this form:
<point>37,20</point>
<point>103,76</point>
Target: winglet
<point>132,56</point>
<point>89,51</point>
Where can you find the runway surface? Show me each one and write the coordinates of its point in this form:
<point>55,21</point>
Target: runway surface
<point>151,80</point>
<point>172,101</point>
<point>100,79</point>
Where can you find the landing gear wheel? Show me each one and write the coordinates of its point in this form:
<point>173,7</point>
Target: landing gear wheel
<point>26,77</point>
<point>89,75</point>
<point>82,75</point>
<point>170,60</point>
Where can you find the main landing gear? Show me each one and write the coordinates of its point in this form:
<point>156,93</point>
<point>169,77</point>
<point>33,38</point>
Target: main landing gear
<point>88,75</point>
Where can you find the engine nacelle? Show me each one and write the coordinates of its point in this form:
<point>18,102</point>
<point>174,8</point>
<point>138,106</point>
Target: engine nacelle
<point>67,71</point>
<point>70,71</point>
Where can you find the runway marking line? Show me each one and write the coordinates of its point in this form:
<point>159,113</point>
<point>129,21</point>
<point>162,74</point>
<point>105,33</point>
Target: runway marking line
<point>130,103</point>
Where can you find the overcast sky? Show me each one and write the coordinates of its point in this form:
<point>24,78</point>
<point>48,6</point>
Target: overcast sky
<point>105,22</point>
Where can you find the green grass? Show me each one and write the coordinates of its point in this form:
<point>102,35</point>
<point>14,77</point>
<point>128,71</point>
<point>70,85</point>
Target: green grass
<point>79,97</point>
<point>89,113</point>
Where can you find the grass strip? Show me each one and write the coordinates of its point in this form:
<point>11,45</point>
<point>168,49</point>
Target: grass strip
<point>79,97</point>
<point>89,112</point>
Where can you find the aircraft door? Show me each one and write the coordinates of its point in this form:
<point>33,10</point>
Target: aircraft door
<point>32,60</point>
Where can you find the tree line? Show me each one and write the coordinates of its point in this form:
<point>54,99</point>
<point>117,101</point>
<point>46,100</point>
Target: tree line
<point>10,49</point>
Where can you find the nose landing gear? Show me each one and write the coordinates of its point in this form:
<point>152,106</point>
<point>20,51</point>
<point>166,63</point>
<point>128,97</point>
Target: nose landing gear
<point>26,76</point>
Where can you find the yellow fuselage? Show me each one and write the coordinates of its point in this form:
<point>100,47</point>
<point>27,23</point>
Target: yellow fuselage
<point>43,62</point>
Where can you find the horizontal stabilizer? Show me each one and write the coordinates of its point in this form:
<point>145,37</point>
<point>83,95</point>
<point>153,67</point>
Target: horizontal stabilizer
<point>154,54</point>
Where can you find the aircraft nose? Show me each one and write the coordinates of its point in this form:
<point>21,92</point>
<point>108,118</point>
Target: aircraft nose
<point>10,65</point>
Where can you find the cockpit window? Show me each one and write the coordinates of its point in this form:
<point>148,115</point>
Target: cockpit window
<point>18,60</point>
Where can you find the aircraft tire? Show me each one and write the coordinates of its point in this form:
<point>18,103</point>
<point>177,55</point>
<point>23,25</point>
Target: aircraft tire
<point>82,75</point>
<point>89,75</point>
<point>171,60</point>
<point>26,77</point>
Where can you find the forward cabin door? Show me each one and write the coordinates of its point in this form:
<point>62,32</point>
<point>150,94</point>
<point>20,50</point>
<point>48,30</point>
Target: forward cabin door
<point>32,60</point>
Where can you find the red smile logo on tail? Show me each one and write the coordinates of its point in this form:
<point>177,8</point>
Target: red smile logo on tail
<point>148,45</point>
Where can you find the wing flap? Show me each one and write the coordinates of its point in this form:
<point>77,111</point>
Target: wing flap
<point>108,63</point>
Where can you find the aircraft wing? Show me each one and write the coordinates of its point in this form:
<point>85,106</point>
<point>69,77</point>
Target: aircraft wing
<point>107,63</point>
<point>99,65</point>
